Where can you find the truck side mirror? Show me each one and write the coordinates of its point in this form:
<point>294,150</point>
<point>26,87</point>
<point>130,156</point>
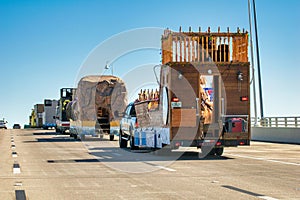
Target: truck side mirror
<point>118,114</point>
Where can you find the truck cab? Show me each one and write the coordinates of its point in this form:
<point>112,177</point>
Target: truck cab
<point>128,124</point>
<point>62,122</point>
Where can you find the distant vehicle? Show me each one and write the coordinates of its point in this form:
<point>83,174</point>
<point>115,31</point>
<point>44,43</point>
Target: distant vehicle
<point>49,112</point>
<point>16,126</point>
<point>3,124</point>
<point>62,122</point>
<point>36,116</point>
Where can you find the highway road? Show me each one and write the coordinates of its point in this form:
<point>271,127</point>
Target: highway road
<point>38,164</point>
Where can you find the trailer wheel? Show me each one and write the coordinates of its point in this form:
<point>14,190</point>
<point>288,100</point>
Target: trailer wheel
<point>111,137</point>
<point>219,151</point>
<point>122,142</point>
<point>132,146</point>
<point>208,151</point>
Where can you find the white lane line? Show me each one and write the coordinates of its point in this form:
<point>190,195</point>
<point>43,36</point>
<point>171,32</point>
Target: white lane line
<point>116,154</point>
<point>166,168</point>
<point>267,198</point>
<point>265,159</point>
<point>107,157</point>
<point>14,154</point>
<point>160,167</point>
<point>16,168</point>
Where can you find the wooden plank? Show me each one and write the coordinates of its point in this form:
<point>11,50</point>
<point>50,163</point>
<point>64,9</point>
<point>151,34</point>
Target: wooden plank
<point>185,133</point>
<point>206,46</point>
<point>202,49</point>
<point>180,48</point>
<point>183,117</point>
<point>198,49</point>
<point>193,49</point>
<point>176,49</point>
<point>188,49</point>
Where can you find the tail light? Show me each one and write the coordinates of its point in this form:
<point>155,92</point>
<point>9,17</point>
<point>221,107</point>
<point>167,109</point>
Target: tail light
<point>218,143</point>
<point>242,143</point>
<point>244,98</point>
<point>136,124</point>
<point>175,99</point>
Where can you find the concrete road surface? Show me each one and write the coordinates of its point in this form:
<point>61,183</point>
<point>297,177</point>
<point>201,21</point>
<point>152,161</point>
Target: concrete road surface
<point>38,164</point>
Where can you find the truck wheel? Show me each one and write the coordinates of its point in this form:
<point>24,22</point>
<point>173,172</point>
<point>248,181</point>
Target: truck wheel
<point>208,151</point>
<point>132,146</point>
<point>219,151</point>
<point>82,137</point>
<point>111,137</point>
<point>122,142</point>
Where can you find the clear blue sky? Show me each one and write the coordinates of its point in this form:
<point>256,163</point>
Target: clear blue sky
<point>44,43</point>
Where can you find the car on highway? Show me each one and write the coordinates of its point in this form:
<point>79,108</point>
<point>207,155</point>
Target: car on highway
<point>127,125</point>
<point>16,126</point>
<point>3,124</point>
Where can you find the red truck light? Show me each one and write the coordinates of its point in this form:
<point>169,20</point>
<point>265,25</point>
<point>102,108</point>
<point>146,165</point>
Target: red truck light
<point>175,99</point>
<point>242,143</point>
<point>218,143</point>
<point>65,125</point>
<point>136,124</point>
<point>177,144</point>
<point>244,98</point>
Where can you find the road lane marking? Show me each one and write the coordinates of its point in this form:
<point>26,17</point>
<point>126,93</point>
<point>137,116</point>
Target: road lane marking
<point>18,183</point>
<point>107,157</point>
<point>16,168</point>
<point>248,192</point>
<point>161,167</point>
<point>14,154</point>
<point>166,168</point>
<point>265,159</point>
<point>267,198</point>
<point>20,195</point>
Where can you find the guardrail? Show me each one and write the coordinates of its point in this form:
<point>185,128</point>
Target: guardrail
<point>280,122</point>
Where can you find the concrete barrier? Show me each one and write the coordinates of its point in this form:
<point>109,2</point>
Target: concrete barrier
<point>273,134</point>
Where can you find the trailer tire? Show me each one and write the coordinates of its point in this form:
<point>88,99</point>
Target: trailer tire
<point>122,142</point>
<point>208,151</point>
<point>132,146</point>
<point>219,151</point>
<point>111,137</point>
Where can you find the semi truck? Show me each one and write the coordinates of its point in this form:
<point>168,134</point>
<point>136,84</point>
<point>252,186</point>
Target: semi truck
<point>49,113</point>
<point>36,116</point>
<point>61,120</point>
<point>96,106</point>
<point>203,101</point>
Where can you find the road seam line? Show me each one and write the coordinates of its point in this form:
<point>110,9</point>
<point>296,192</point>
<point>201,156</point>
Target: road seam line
<point>265,159</point>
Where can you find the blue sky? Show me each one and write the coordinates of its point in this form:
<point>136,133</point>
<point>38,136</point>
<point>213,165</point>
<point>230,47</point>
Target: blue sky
<point>44,43</point>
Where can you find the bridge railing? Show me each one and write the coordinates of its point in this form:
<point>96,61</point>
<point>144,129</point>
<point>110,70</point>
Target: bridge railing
<point>288,122</point>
